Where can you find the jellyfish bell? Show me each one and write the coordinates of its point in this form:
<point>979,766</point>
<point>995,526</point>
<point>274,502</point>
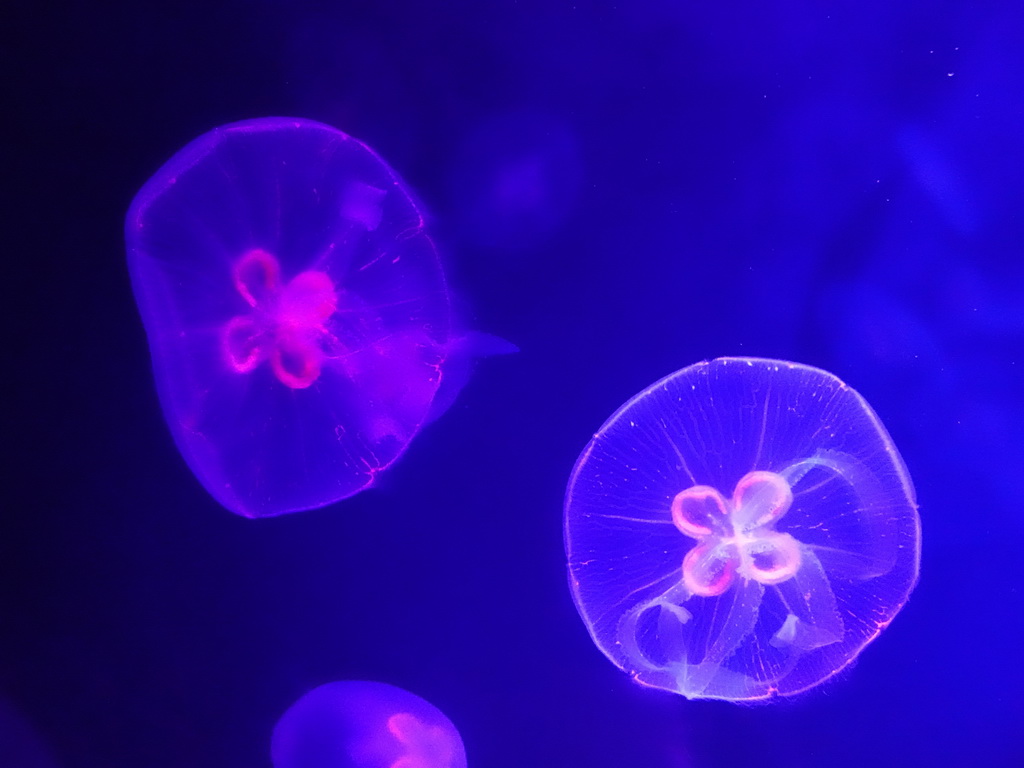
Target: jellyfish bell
<point>740,529</point>
<point>356,724</point>
<point>298,315</point>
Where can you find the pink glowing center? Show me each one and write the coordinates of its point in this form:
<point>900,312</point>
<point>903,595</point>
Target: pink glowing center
<point>426,746</point>
<point>287,324</point>
<point>736,536</point>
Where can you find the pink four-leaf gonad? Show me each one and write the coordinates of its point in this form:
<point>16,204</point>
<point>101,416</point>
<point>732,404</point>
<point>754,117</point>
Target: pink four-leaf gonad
<point>428,746</point>
<point>736,536</point>
<point>287,324</point>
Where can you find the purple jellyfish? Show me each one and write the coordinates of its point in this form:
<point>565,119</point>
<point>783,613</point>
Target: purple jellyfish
<point>739,530</point>
<point>296,310</point>
<point>365,725</point>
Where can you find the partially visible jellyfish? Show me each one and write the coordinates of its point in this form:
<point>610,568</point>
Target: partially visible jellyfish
<point>297,313</point>
<point>354,724</point>
<point>739,530</point>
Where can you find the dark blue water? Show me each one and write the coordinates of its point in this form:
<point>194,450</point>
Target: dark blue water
<point>619,189</point>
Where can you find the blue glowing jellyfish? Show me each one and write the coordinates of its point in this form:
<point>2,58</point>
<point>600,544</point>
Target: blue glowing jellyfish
<point>365,725</point>
<point>296,310</point>
<point>741,529</point>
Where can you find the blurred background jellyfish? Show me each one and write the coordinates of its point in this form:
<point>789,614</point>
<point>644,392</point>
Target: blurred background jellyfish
<point>740,529</point>
<point>353,724</point>
<point>515,181</point>
<point>296,310</point>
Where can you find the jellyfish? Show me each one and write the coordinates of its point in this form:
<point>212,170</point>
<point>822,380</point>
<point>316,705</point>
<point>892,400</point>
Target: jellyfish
<point>516,180</point>
<point>297,313</point>
<point>740,530</point>
<point>353,724</point>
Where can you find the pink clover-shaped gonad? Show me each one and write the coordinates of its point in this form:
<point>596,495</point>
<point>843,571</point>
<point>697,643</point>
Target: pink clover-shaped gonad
<point>287,324</point>
<point>427,746</point>
<point>736,537</point>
